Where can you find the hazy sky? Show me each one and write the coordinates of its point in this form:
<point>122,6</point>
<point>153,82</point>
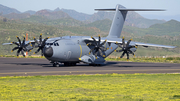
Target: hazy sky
<point>88,6</point>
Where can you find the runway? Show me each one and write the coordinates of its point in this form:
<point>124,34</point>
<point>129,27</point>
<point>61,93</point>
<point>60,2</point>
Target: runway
<point>32,66</point>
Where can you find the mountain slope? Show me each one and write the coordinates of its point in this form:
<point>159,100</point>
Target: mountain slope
<point>76,15</point>
<point>52,15</point>
<point>7,10</point>
<point>171,28</point>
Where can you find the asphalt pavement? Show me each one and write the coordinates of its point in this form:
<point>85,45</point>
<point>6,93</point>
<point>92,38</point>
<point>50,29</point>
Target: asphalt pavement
<point>34,66</point>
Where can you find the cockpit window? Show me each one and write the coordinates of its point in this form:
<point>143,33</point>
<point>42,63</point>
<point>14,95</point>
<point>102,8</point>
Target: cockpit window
<point>55,44</point>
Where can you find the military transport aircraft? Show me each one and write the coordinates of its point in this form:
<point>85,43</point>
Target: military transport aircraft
<point>91,50</point>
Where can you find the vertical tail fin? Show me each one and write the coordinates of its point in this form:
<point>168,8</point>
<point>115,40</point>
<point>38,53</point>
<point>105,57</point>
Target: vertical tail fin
<point>119,19</point>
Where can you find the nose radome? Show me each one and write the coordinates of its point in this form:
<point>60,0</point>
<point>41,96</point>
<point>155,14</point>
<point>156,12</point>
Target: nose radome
<point>48,52</point>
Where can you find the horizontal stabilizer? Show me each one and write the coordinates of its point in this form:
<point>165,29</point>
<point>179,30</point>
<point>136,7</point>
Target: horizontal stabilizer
<point>125,9</point>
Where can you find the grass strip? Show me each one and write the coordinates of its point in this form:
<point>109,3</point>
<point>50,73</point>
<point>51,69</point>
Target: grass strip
<point>103,87</point>
<point>136,59</point>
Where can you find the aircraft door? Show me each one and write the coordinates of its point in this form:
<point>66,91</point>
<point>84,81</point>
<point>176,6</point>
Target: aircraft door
<point>68,55</point>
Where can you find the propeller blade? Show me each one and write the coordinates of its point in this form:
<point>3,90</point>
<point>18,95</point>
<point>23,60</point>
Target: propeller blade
<point>99,41</point>
<point>103,43</point>
<point>40,38</point>
<point>27,44</point>
<point>14,49</point>
<point>15,43</point>
<point>119,50</point>
<point>18,52</point>
<point>44,41</point>
<point>122,54</point>
<point>90,43</point>
<point>123,43</point>
<point>19,40</point>
<point>42,52</point>
<point>22,53</point>
<point>91,50</point>
<point>36,41</point>
<point>100,51</point>
<point>94,40</point>
<point>127,55</point>
<point>37,51</point>
<point>127,45</point>
<point>23,43</point>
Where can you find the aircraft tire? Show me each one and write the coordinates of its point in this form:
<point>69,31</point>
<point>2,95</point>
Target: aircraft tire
<point>55,64</point>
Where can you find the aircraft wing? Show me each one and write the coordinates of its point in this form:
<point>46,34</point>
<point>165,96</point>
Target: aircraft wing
<point>33,42</point>
<point>26,42</point>
<point>133,43</point>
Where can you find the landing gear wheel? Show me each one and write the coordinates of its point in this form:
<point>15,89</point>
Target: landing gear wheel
<point>55,64</point>
<point>69,64</point>
<point>94,64</point>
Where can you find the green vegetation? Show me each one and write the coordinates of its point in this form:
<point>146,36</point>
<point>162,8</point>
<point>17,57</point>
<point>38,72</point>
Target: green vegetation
<point>148,59</point>
<point>116,87</point>
<point>35,25</point>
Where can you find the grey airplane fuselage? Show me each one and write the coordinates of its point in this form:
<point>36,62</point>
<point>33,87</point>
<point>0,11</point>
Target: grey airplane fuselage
<point>71,48</point>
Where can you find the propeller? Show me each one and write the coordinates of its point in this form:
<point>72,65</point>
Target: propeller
<point>125,48</point>
<point>21,46</point>
<point>41,44</point>
<point>98,47</point>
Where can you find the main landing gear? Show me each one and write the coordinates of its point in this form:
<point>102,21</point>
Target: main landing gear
<point>94,64</point>
<point>56,64</point>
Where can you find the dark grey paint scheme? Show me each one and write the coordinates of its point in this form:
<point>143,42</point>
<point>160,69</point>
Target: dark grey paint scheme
<point>74,49</point>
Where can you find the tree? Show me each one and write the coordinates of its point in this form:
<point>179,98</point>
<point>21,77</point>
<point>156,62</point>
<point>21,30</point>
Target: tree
<point>4,19</point>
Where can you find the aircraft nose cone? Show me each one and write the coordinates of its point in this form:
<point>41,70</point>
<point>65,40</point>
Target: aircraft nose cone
<point>48,52</point>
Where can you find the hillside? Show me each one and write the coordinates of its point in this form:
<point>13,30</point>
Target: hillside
<point>103,25</point>
<point>132,19</point>
<point>7,10</point>
<point>76,15</point>
<point>11,28</point>
<point>64,22</point>
<point>52,15</point>
<point>171,28</point>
